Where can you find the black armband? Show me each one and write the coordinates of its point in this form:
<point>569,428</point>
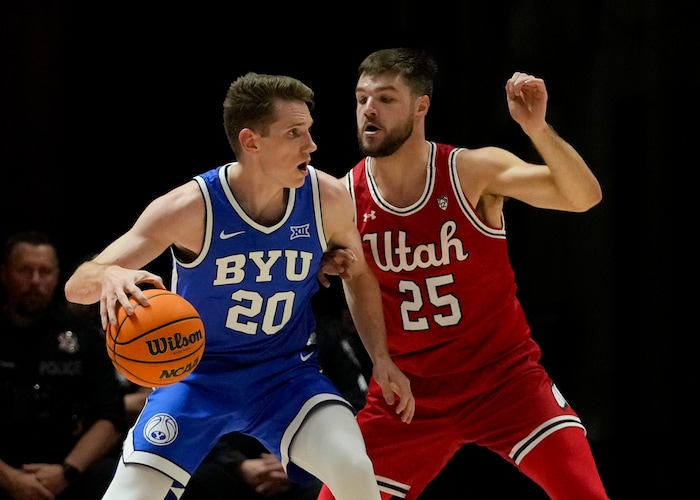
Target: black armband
<point>70,472</point>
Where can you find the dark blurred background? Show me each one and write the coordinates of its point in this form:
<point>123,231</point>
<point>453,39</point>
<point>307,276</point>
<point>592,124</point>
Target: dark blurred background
<point>104,106</point>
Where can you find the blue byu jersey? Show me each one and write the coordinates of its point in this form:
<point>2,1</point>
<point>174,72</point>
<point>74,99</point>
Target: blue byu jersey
<point>252,284</point>
<point>259,374</point>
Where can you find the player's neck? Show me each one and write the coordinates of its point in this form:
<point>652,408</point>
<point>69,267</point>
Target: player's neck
<point>401,176</point>
<point>412,154</point>
<point>263,201</point>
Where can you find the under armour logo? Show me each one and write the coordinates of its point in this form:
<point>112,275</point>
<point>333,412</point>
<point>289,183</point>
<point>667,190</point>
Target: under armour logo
<point>300,232</point>
<point>372,215</point>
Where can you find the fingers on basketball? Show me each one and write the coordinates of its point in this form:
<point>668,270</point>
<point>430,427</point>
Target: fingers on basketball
<point>157,345</point>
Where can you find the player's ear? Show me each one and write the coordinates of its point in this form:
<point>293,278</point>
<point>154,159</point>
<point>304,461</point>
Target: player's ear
<point>423,105</point>
<point>248,139</point>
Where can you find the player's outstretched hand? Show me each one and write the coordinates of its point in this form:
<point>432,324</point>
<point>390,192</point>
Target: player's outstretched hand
<point>395,384</point>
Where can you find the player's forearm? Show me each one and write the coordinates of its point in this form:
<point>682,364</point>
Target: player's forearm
<point>575,181</point>
<point>98,441</point>
<point>5,472</point>
<point>84,286</point>
<point>365,305</point>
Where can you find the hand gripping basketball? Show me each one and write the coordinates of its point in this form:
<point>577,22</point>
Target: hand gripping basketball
<point>157,345</point>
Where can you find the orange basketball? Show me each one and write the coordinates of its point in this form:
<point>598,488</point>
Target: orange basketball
<point>157,345</point>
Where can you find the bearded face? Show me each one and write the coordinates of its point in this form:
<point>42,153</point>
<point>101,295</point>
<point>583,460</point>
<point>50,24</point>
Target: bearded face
<point>386,144</point>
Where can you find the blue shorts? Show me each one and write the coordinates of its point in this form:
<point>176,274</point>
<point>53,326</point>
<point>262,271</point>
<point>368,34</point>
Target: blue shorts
<point>182,422</point>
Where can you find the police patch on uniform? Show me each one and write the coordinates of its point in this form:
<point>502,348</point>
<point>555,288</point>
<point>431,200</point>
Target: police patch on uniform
<point>68,342</point>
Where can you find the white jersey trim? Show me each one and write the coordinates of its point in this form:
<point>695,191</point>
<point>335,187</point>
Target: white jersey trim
<point>208,224</point>
<point>223,178</point>
<point>316,190</point>
<point>130,456</point>
<point>394,488</point>
<point>295,424</point>
<point>422,200</point>
<point>466,207</point>
<point>524,446</point>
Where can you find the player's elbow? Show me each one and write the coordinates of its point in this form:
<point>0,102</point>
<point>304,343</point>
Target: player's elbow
<point>592,198</point>
<point>70,292</point>
<point>74,292</point>
<point>582,199</point>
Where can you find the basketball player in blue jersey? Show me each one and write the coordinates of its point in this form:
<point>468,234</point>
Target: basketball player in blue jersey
<point>247,241</point>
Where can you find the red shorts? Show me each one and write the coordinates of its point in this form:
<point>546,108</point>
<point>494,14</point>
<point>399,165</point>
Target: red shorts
<point>508,408</point>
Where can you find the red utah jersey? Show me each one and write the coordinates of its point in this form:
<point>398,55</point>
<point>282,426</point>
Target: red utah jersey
<point>447,284</point>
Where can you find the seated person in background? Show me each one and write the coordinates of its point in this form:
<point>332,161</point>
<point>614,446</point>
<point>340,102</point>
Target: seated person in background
<point>239,467</point>
<point>62,413</point>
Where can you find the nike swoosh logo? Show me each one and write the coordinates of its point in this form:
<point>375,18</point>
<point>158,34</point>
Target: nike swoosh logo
<point>305,356</point>
<point>224,235</point>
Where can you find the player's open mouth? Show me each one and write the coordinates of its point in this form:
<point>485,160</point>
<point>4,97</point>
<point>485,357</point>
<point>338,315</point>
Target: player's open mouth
<point>370,129</point>
<point>302,166</point>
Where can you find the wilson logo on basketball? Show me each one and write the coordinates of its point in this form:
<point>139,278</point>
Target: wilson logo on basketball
<point>175,343</point>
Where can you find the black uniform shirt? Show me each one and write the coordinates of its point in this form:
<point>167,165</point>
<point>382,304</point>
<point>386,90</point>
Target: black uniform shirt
<point>56,380</point>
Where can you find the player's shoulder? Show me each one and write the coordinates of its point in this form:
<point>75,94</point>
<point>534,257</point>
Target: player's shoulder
<point>332,193</point>
<point>327,182</point>
<point>174,206</point>
<point>215,172</point>
<point>187,191</point>
<point>481,156</point>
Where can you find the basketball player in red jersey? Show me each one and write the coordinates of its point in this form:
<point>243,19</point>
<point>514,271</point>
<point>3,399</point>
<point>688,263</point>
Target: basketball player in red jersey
<point>432,225</point>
